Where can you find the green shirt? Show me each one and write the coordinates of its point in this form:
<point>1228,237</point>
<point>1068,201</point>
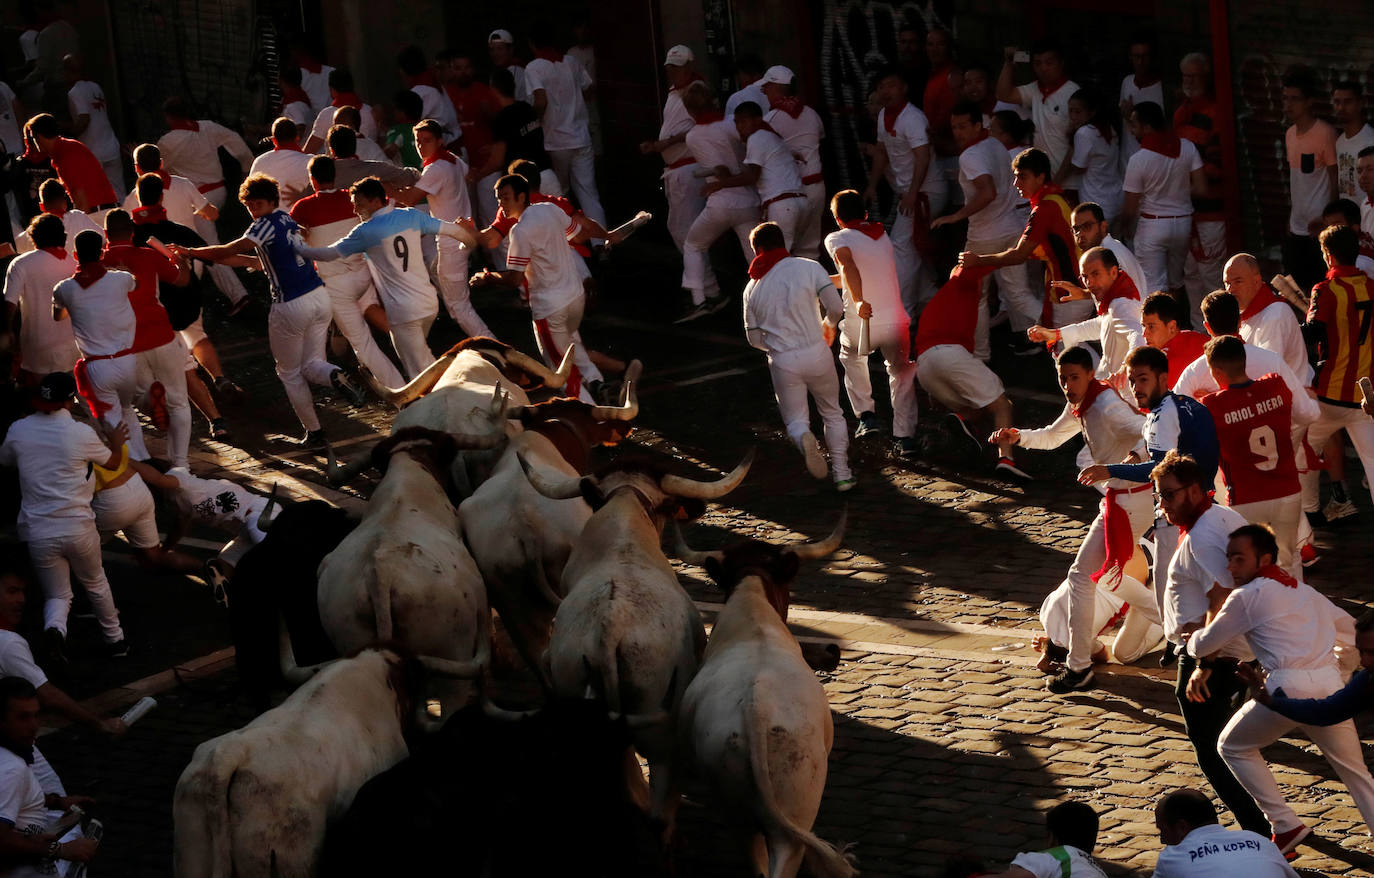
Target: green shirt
<point>403,136</point>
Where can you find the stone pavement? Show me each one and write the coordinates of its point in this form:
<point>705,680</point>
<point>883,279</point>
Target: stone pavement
<point>945,740</point>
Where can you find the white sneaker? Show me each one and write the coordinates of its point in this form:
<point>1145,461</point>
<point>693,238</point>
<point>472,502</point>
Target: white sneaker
<point>1335,509</point>
<point>815,460</point>
<point>845,485</point>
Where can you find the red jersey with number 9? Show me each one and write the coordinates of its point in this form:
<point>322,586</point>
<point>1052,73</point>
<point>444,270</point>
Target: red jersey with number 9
<point>1344,305</point>
<point>1254,429</point>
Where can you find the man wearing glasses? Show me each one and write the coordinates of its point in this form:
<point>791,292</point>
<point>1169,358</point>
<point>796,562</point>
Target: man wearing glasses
<point>1090,229</point>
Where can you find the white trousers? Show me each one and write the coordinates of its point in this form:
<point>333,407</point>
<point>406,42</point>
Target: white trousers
<point>893,340</point>
<point>1140,629</point>
<point>711,222</point>
<point>788,214</point>
<point>1282,516</point>
<point>1166,544</point>
<point>296,334</point>
<point>114,382</point>
<point>1013,288</point>
<point>225,278</point>
<point>811,371</point>
<point>1356,424</point>
<point>808,242</point>
<point>576,170</point>
<point>1091,555</point>
<point>346,293</point>
<point>127,508</point>
<point>685,202</point>
<point>166,364</point>
<point>452,271</point>
<point>554,333</point>
<point>55,561</point>
<point>412,345</point>
<point>913,276</point>
<point>1203,267</point>
<point>1255,726</point>
<point>1161,245</point>
<point>957,379</point>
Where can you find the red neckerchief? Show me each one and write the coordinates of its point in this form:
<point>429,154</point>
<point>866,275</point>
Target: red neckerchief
<point>277,147</point>
<point>424,77</point>
<point>1263,299</point>
<point>1278,574</point>
<point>162,175</point>
<point>1166,143</point>
<point>312,65</point>
<point>1342,271</point>
<point>57,210</point>
<point>1095,389</point>
<point>1047,90</point>
<point>791,105</point>
<point>184,125</point>
<point>982,135</point>
<point>1044,192</point>
<point>153,214</point>
<point>872,230</point>
<point>56,252</point>
<point>292,95</point>
<point>708,117</point>
<point>347,99</point>
<point>890,127</point>
<point>1206,504</point>
<point>764,262</point>
<point>443,154</point>
<point>1122,288</point>
<point>551,55</point>
<point>88,273</point>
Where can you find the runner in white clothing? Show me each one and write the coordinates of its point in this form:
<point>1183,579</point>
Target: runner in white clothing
<point>1161,180</point>
<point>285,162</point>
<point>556,84</point>
<point>781,319</point>
<point>1194,842</point>
<point>191,149</point>
<point>769,168</point>
<point>45,345</point>
<point>1116,323</point>
<point>434,100</point>
<point>53,199</point>
<point>1090,229</point>
<point>682,189</point>
<point>1266,320</point>
<point>341,94</point>
<point>91,122</point>
<point>802,129</point>
<point>867,273</point>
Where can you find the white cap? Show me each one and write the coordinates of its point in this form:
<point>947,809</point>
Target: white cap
<point>778,75</point>
<point>678,56</point>
<point>501,36</point>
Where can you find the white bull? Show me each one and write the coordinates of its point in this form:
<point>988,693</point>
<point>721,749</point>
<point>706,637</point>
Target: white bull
<point>755,721</point>
<point>521,539</point>
<point>627,632</point>
<point>404,575</point>
<point>255,803</point>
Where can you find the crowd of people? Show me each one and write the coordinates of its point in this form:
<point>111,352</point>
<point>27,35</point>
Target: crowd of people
<point>1082,228</point>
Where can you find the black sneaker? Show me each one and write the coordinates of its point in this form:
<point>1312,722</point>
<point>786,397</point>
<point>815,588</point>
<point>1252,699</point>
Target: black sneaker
<point>1024,347</point>
<point>118,649</point>
<point>219,431</point>
<point>868,423</point>
<point>55,647</point>
<point>1008,468</point>
<point>692,312</point>
<point>1170,656</point>
<point>908,447</point>
<point>719,303</point>
<point>350,391</point>
<point>312,439</point>
<point>228,390</point>
<point>1070,681</point>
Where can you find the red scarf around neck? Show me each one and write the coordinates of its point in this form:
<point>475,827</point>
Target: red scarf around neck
<point>872,230</point>
<point>1122,288</point>
<point>1095,389</point>
<point>162,175</point>
<point>1202,510</point>
<point>1045,192</point>
<point>424,77</point>
<point>1342,271</point>
<point>347,99</point>
<point>290,94</point>
<point>88,273</point>
<point>708,117</point>
<point>57,210</point>
<point>441,155</point>
<point>184,125</point>
<point>56,252</point>
<point>1166,143</point>
<point>764,262</point>
<point>791,105</point>
<point>890,120</point>
<point>551,55</point>
<point>312,66</point>
<point>278,147</point>
<point>153,214</point>
<point>1278,574</point>
<point>1263,299</point>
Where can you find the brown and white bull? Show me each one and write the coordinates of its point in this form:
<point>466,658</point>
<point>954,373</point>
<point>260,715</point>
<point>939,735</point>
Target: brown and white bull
<point>404,575</point>
<point>255,803</point>
<point>521,539</point>
<point>626,632</point>
<point>755,721</point>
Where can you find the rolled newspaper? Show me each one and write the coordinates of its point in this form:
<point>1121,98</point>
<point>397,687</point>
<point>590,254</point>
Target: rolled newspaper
<point>865,343</point>
<point>625,230</point>
<point>139,710</point>
<point>1285,286</point>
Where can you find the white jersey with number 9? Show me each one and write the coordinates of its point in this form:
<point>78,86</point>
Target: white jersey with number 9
<point>391,240</point>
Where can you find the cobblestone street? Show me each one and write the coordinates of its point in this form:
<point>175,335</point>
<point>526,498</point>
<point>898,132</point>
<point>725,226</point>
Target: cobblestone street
<point>945,740</point>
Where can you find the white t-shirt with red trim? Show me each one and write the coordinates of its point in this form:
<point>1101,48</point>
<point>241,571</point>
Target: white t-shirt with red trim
<point>102,318</point>
<point>1163,182</point>
<point>539,248</point>
<point>445,185</point>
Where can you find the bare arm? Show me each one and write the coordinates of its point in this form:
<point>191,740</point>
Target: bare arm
<point>1006,80</point>
<point>1022,252</point>
<point>56,700</point>
<point>984,191</point>
<point>1197,182</point>
<point>540,101</point>
<point>876,172</point>
<point>220,252</point>
<point>1130,210</point>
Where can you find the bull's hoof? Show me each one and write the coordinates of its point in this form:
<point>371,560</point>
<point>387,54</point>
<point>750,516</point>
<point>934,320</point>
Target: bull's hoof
<point>821,656</point>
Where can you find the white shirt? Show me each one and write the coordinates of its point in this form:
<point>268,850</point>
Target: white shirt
<point>1198,564</point>
<point>316,86</point>
<point>102,319</point>
<point>435,104</point>
<point>86,99</point>
<point>717,144</point>
<point>1347,154</point>
<point>299,112</point>
<point>21,806</point>
<point>1051,117</point>
<point>878,268</point>
<point>751,92</point>
<point>16,659</point>
<point>368,151</point>
<point>74,221</point>
<point>391,238</point>
<point>1287,628</point>
<point>446,189</point>
<point>770,154</point>
<point>195,154</point>
<point>565,117</point>
<point>675,121</point>
<point>10,134</point>
<point>329,221</point>
<point>1196,381</point>
<point>1042,864</point>
<point>53,453</point>
<point>1100,162</point>
<point>1111,428</point>
<point>1137,95</point>
<point>1163,184</point>
<point>324,120</point>
<point>181,201</point>
<point>999,218</point>
<point>539,248</point>
<point>911,130</point>
<point>48,345</point>
<point>1366,215</point>
<point>802,134</point>
<point>286,166</point>
<point>1217,852</point>
<point>780,314</point>
<point>1118,332</point>
<point>1276,328</point>
<point>1129,264</point>
<point>220,504</point>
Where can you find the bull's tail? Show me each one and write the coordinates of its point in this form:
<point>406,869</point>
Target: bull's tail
<point>202,847</point>
<point>481,651</point>
<point>823,858</point>
<point>379,588</point>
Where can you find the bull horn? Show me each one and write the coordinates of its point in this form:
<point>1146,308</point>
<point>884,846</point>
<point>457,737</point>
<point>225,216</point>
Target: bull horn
<point>815,550</point>
<point>264,519</point>
<point>338,475</point>
<point>687,553</point>
<point>564,490</point>
<point>551,379</point>
<point>627,382</point>
<point>629,404</point>
<point>421,384</point>
<point>505,715</point>
<point>682,486</point>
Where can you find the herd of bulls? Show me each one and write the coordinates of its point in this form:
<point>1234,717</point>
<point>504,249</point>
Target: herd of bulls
<point>393,759</point>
